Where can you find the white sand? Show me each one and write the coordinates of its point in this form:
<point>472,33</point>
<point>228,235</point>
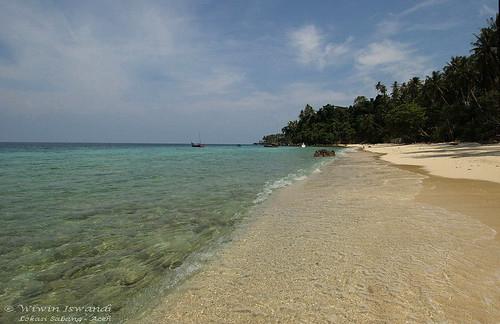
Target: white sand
<point>463,161</point>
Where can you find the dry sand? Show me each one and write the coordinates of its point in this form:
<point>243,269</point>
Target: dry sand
<point>462,161</point>
<point>348,245</point>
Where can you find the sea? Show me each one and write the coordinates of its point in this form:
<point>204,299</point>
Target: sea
<point>108,229</point>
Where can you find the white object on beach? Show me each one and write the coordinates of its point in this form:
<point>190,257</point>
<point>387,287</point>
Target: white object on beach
<point>303,145</point>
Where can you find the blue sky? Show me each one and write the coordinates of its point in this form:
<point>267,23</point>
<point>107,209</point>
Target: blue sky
<point>162,71</point>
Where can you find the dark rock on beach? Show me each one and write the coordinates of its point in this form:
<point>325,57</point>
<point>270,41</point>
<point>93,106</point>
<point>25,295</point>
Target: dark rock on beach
<point>324,153</point>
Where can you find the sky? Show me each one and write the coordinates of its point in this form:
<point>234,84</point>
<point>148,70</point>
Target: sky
<point>164,71</point>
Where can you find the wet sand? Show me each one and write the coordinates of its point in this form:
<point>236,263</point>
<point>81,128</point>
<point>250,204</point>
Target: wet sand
<point>350,244</point>
<point>475,198</point>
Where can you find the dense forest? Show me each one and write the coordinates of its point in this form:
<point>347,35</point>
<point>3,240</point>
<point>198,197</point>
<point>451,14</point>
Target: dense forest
<point>461,102</point>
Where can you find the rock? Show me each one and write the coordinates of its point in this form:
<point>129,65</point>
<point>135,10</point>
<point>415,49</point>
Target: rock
<point>132,276</point>
<point>324,153</point>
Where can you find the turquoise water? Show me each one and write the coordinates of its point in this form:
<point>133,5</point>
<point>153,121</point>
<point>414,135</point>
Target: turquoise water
<point>101,224</point>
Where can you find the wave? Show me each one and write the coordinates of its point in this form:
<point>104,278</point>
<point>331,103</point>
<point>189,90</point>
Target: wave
<point>196,260</point>
<point>289,179</point>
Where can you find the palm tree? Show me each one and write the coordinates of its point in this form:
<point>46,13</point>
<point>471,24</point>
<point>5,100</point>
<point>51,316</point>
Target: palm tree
<point>485,55</point>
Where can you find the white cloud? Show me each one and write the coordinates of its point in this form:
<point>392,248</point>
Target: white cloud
<point>290,97</point>
<point>382,53</point>
<point>88,64</point>
<point>388,27</point>
<point>154,72</point>
<point>487,11</point>
<point>390,58</point>
<point>313,49</point>
<point>154,63</point>
<point>399,22</point>
<point>393,59</point>
<point>218,81</point>
<point>421,5</point>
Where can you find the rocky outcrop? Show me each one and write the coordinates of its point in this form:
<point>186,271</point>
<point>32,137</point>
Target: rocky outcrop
<point>324,153</point>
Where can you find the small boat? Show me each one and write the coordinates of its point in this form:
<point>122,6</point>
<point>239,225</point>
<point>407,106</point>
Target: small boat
<point>271,145</point>
<point>303,145</point>
<point>199,142</point>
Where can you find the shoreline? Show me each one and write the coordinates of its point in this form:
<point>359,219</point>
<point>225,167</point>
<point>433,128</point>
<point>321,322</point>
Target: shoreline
<point>349,244</point>
<point>448,183</point>
<point>197,261</point>
<point>475,198</point>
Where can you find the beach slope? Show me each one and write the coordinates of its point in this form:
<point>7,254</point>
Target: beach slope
<point>464,178</point>
<point>347,245</point>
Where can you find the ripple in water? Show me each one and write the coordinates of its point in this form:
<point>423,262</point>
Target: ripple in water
<point>120,224</point>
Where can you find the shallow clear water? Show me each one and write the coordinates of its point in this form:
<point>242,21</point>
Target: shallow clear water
<point>100,224</point>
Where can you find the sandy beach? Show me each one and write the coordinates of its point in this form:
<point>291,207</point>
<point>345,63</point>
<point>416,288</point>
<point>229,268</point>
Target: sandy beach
<point>355,243</point>
<point>463,161</point>
<point>463,178</point>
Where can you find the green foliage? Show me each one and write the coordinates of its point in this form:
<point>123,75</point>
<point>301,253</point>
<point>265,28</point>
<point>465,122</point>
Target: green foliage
<point>406,121</point>
<point>274,139</point>
<point>461,102</point>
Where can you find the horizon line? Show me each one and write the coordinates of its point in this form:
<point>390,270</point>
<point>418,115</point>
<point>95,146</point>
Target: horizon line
<point>146,143</point>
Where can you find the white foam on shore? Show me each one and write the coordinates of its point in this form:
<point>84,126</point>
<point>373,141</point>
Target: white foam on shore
<point>269,187</point>
<point>300,175</point>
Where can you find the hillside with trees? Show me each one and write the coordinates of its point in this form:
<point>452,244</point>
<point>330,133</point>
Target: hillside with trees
<point>459,103</point>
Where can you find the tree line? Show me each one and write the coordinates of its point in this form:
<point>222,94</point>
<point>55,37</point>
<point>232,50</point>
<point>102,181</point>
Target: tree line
<point>460,102</point>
